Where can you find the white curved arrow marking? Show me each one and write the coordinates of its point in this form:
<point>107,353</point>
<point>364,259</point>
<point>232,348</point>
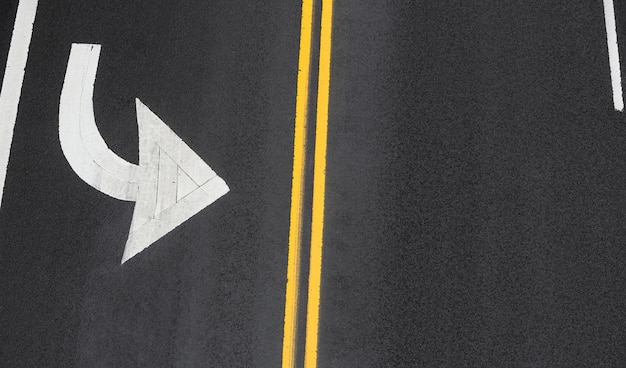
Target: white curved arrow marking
<point>170,184</point>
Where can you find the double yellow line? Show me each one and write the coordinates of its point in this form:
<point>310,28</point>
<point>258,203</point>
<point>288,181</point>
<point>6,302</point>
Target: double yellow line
<point>297,191</point>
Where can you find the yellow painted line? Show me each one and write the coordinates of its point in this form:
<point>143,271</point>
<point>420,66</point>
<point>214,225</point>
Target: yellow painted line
<point>319,188</point>
<point>290,331</point>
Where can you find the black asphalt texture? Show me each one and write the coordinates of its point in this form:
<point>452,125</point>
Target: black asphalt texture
<point>475,205</point>
<point>476,202</point>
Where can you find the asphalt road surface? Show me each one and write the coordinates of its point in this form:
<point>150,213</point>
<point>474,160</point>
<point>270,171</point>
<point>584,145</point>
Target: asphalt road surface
<point>475,188</point>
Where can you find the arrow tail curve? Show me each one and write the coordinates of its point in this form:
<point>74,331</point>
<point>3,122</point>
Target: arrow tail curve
<point>81,142</point>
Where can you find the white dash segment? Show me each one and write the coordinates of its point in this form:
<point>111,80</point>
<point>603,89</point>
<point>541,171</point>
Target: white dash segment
<point>611,38</point>
<point>13,80</point>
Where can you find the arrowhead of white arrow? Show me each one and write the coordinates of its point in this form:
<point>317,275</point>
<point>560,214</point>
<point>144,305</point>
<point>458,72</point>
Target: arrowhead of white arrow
<point>174,183</point>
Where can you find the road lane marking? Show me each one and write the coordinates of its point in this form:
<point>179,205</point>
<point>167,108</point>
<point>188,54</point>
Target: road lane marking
<point>83,146</point>
<point>164,159</point>
<point>13,80</point>
<point>290,329</point>
<point>319,188</point>
<point>614,63</point>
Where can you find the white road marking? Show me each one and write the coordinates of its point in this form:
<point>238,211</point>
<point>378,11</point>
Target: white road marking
<point>82,144</point>
<point>170,184</point>
<point>13,79</point>
<point>614,63</point>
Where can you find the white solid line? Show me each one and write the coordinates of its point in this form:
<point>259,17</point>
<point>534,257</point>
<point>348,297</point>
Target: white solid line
<point>13,79</point>
<point>611,38</point>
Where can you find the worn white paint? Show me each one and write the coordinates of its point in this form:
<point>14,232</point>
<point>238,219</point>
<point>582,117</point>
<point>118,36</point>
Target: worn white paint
<point>13,79</point>
<point>170,184</point>
<point>614,62</point>
<point>159,208</point>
